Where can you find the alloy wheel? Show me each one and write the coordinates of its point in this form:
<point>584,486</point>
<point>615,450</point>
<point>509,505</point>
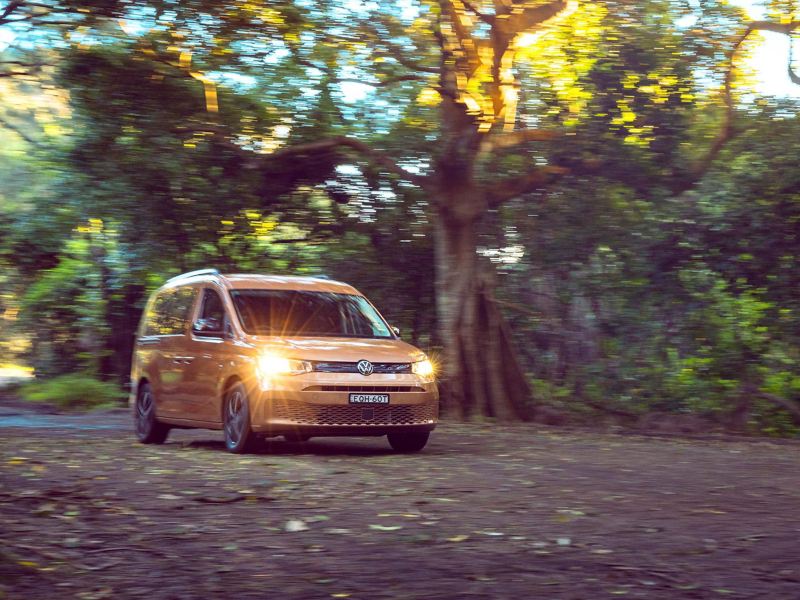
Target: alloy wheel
<point>144,412</point>
<point>235,418</point>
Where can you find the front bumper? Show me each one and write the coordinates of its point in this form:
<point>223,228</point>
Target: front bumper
<point>320,406</point>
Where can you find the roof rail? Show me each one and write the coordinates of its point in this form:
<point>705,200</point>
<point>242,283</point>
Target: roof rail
<point>194,273</point>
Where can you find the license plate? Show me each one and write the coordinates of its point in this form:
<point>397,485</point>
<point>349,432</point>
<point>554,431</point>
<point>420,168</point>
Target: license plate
<point>369,398</point>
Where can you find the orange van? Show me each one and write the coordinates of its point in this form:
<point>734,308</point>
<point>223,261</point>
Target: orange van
<point>262,356</point>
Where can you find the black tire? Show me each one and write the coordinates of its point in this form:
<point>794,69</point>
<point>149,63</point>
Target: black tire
<point>149,430</point>
<point>408,442</point>
<point>239,437</point>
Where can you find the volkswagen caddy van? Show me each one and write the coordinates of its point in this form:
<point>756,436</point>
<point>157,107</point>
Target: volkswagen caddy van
<point>264,356</point>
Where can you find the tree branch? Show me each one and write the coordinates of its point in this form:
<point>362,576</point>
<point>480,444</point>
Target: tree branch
<point>784,28</point>
<point>488,19</point>
<point>8,10</point>
<point>33,17</point>
<point>409,63</point>
<point>395,51</point>
<point>518,307</point>
<point>34,68</point>
<point>464,38</point>
<point>501,141</point>
<point>792,407</point>
<point>511,20</point>
<point>793,77</point>
<point>16,129</point>
<point>528,182</point>
<point>387,81</point>
<point>19,63</point>
<point>382,83</point>
<point>727,131</point>
<point>374,156</point>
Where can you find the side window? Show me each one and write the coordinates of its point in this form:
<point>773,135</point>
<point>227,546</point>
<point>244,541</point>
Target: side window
<point>154,319</point>
<point>212,306</point>
<point>213,311</point>
<point>180,309</point>
<point>170,312</point>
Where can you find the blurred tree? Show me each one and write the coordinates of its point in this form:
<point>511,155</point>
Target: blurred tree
<point>217,119</point>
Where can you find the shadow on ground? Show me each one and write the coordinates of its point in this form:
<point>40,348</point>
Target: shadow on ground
<point>374,446</point>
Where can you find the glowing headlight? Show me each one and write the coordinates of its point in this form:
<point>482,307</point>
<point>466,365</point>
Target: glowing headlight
<point>423,368</point>
<point>270,365</point>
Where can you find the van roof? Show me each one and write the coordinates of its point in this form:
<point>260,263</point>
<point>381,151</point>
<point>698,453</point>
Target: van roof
<point>256,281</point>
<point>287,282</point>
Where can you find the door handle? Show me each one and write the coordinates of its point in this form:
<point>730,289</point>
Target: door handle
<point>183,360</point>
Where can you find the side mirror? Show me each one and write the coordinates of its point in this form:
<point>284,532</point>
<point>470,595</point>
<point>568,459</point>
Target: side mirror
<point>396,330</point>
<point>210,327</point>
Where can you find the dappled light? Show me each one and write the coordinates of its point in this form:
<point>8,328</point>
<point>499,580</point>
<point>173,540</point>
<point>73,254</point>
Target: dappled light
<point>559,198</point>
<point>559,213</point>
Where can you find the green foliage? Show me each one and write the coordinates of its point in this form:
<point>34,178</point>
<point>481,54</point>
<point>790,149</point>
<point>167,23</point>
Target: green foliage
<point>75,391</point>
<point>67,309</point>
<point>633,290</point>
<point>669,304</point>
<point>80,314</point>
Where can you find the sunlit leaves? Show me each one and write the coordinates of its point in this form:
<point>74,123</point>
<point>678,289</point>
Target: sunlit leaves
<point>428,97</point>
<point>565,55</point>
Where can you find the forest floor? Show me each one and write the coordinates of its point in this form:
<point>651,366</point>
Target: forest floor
<point>482,512</point>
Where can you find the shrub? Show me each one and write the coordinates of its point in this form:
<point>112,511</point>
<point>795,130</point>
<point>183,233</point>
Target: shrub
<point>73,391</point>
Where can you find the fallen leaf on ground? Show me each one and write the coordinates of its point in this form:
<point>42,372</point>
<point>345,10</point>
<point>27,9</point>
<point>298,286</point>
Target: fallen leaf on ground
<point>295,525</point>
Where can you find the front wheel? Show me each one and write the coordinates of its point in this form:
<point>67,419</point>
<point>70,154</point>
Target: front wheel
<point>408,442</point>
<point>148,429</point>
<point>239,437</point>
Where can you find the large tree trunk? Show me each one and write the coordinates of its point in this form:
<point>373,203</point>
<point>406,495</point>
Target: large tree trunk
<point>482,373</point>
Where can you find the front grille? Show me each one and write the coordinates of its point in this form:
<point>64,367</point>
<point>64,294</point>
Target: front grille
<point>303,413</point>
<point>350,367</point>
<point>379,389</point>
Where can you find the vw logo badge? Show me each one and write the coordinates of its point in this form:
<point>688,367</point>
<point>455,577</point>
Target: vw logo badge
<point>365,367</point>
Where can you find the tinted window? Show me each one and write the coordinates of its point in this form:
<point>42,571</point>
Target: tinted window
<point>213,310</point>
<point>170,312</point>
<point>289,312</point>
<point>212,306</point>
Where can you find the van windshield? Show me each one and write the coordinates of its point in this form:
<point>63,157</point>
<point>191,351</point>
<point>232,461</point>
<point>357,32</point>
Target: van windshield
<point>300,313</point>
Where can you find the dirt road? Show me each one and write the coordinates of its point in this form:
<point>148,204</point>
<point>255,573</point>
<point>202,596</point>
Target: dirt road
<point>482,513</point>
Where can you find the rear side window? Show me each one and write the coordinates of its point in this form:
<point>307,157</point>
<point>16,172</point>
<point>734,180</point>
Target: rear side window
<point>169,313</point>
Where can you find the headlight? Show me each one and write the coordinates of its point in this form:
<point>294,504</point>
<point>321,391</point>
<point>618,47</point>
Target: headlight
<point>423,368</point>
<point>271,364</point>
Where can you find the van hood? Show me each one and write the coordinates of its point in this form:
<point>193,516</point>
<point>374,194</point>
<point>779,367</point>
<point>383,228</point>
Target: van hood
<point>335,349</point>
